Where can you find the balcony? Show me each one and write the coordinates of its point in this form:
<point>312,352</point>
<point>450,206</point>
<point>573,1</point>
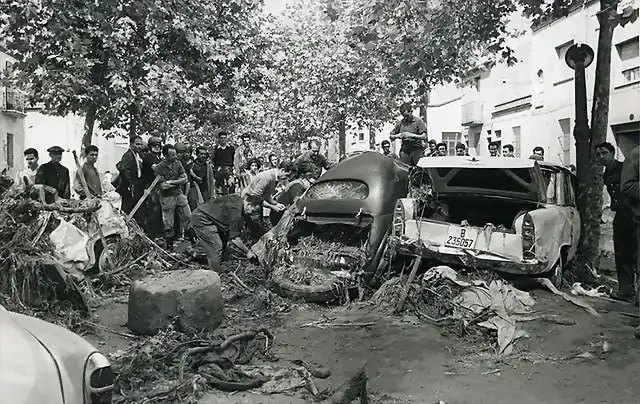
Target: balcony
<point>12,102</point>
<point>472,113</point>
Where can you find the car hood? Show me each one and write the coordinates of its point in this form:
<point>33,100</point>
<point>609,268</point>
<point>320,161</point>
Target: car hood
<point>28,373</point>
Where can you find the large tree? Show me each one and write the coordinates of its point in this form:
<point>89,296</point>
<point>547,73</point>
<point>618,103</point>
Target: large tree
<point>590,182</point>
<point>145,66</point>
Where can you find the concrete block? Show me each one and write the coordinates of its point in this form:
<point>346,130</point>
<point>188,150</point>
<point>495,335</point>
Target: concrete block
<point>194,297</point>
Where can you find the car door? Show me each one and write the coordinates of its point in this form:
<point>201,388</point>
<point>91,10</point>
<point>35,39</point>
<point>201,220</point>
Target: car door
<point>574,216</point>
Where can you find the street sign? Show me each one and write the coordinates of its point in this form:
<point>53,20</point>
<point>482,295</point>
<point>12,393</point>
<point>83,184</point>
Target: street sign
<point>579,54</point>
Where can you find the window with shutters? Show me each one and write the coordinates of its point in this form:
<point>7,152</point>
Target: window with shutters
<point>629,53</point>
<point>10,156</point>
<point>565,128</point>
<point>517,141</point>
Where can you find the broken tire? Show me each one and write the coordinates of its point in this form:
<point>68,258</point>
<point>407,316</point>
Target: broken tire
<point>325,293</point>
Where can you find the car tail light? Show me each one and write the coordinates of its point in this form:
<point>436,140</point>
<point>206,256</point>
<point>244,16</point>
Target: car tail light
<point>528,237</point>
<point>98,380</point>
<point>398,219</point>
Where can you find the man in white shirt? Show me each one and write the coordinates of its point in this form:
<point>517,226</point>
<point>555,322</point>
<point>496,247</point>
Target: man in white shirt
<point>29,173</point>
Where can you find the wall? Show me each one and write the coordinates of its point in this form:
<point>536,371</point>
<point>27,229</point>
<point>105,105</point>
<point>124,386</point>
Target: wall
<point>12,122</point>
<point>44,131</point>
<point>556,90</point>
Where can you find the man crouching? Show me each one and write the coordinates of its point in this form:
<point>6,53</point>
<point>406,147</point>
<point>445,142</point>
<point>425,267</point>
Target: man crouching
<point>214,223</point>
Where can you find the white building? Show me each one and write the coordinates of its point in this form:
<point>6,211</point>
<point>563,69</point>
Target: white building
<point>12,124</point>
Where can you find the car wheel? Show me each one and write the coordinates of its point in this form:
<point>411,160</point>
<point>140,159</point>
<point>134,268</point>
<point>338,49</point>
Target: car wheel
<point>102,265</point>
<point>556,275</point>
<point>325,293</point>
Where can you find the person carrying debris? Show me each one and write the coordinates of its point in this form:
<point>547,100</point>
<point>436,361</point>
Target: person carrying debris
<point>172,199</point>
<point>413,132</point>
<point>28,175</point>
<point>54,175</point>
<point>623,225</point>
<point>216,222</point>
<point>259,194</point>
<point>630,188</point>
<point>287,197</point>
<point>90,174</point>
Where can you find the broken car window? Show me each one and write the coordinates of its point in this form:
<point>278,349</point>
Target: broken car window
<point>489,178</point>
<point>338,189</point>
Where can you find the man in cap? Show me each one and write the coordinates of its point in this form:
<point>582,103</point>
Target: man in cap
<point>386,149</point>
<point>54,175</point>
<point>413,132</point>
<point>216,222</point>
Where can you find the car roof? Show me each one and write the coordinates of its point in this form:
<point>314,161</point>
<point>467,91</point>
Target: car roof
<point>475,162</point>
<point>366,166</point>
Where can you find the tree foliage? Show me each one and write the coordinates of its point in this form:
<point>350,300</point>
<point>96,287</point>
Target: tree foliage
<point>147,66</point>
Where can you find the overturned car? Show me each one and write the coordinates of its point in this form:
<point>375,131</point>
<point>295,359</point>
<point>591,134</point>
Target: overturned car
<point>332,239</point>
<point>510,215</point>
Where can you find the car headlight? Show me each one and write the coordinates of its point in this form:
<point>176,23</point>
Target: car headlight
<point>98,380</point>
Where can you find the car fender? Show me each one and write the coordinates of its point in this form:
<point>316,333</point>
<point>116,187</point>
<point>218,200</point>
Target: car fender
<point>28,372</point>
<point>553,232</point>
<point>69,350</point>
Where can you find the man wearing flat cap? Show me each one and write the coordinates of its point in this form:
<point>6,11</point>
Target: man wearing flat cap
<point>54,175</point>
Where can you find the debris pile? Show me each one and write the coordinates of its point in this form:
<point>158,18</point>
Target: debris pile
<point>477,306</point>
<point>47,250</point>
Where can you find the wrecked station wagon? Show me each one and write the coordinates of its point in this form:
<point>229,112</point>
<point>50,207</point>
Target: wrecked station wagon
<point>338,229</point>
<point>511,215</point>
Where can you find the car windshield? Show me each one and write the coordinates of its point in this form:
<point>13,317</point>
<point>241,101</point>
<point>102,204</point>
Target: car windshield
<point>497,179</point>
<point>338,189</point>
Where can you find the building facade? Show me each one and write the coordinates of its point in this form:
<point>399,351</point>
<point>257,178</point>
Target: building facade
<point>532,103</point>
<point>12,123</point>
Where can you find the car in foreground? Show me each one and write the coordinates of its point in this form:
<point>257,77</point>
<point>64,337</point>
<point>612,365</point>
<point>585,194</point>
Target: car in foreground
<point>340,225</point>
<point>43,363</point>
<point>510,215</point>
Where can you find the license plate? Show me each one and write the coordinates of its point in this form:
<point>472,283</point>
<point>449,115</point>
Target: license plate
<point>460,237</point>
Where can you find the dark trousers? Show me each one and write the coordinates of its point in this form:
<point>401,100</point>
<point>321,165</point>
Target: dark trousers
<point>411,157</point>
<point>211,242</point>
<point>625,245</point>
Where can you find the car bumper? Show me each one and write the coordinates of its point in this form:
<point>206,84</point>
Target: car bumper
<point>468,258</point>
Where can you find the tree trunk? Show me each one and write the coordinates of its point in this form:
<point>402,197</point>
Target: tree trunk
<point>89,123</point>
<point>372,139</point>
<point>342,136</point>
<point>424,109</point>
<point>590,197</point>
<point>133,120</point>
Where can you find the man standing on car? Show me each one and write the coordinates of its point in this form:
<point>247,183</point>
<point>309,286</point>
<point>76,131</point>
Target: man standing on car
<point>630,187</point>
<point>623,225</point>
<point>172,199</point>
<point>386,149</point>
<point>413,132</point>
<point>54,175</point>
<point>214,223</point>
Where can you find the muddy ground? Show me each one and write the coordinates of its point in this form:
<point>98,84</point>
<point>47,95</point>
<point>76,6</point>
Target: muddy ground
<point>409,362</point>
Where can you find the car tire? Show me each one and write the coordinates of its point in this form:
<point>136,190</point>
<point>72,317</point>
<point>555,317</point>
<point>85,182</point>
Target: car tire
<point>326,293</point>
<point>556,275</point>
<point>101,265</point>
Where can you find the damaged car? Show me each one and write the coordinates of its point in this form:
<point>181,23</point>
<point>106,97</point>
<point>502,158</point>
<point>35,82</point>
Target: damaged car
<point>332,238</point>
<point>515,216</point>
